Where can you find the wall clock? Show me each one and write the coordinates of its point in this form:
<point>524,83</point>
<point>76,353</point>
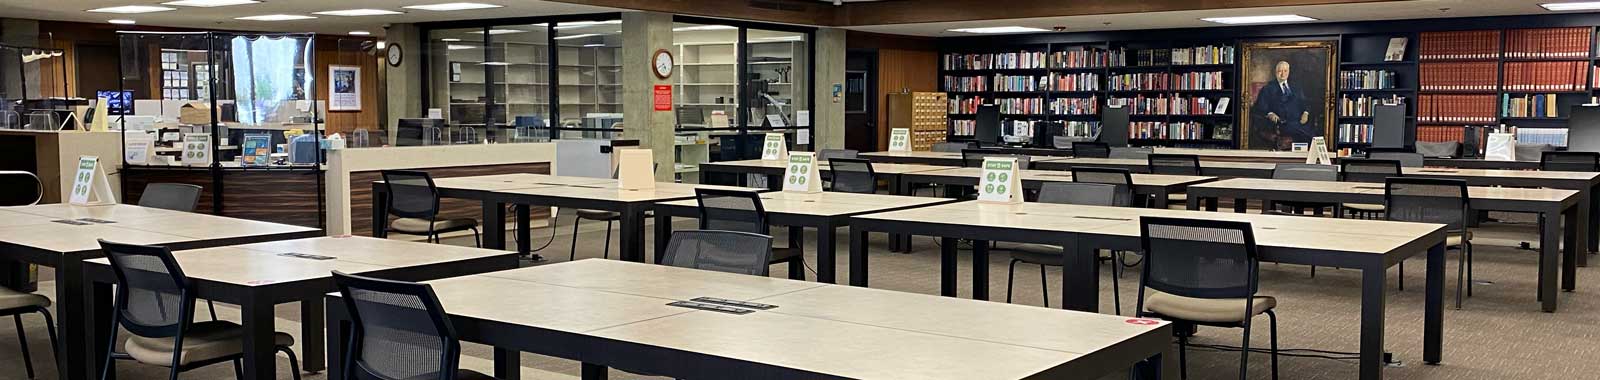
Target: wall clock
<point>661,63</point>
<point>395,54</point>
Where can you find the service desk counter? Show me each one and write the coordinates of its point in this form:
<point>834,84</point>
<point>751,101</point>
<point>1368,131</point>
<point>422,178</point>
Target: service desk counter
<point>53,156</point>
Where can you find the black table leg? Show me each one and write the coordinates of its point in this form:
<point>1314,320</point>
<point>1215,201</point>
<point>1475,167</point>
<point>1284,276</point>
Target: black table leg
<point>1571,250</point>
<point>1549,257</point>
<point>899,242</point>
<point>1161,200</point>
<point>858,257</point>
<point>663,234</point>
<point>1372,314</point>
<point>380,213</point>
<point>86,336</point>
<point>1239,205</point>
<point>632,233</point>
<point>1080,278</point>
<point>1193,203</point>
<point>525,230</point>
<point>312,352</point>
<point>825,253</point>
<point>1582,225</point>
<point>1211,204</point>
<point>1149,369</point>
<point>260,357</point>
<point>947,265</point>
<point>594,372</point>
<point>507,364</point>
<point>338,336</point>
<point>797,242</point>
<point>980,270</point>
<point>494,225</point>
<point>1433,312</point>
<point>1593,218</point>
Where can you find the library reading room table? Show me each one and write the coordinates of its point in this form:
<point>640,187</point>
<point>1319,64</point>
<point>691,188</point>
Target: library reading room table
<point>892,173</point>
<point>1210,168</point>
<point>258,276</point>
<point>1155,185</point>
<point>826,211</point>
<point>64,236</point>
<point>1550,204</point>
<point>614,314</point>
<point>1365,245</point>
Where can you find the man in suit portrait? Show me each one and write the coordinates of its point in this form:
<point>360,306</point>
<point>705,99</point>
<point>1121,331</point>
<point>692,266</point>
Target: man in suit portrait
<point>1281,107</point>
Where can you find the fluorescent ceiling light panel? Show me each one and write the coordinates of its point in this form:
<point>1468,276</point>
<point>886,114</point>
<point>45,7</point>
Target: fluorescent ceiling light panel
<point>501,31</point>
<point>452,6</point>
<point>1578,6</point>
<point>576,36</point>
<point>209,3</point>
<point>580,24</point>
<point>130,9</point>
<point>1258,19</point>
<point>122,22</point>
<point>450,39</point>
<point>360,33</point>
<point>703,27</point>
<point>784,38</point>
<point>274,18</point>
<point>594,45</point>
<point>998,29</point>
<point>359,12</point>
<point>462,47</point>
<point>495,63</point>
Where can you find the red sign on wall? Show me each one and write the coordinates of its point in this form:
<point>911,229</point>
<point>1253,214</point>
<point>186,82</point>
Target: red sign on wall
<point>663,99</point>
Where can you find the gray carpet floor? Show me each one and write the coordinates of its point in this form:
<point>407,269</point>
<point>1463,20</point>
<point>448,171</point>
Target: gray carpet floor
<point>1500,334</point>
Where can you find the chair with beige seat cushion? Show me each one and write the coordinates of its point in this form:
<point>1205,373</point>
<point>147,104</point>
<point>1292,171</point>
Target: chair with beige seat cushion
<point>155,303</point>
<point>1438,201</point>
<point>414,200</point>
<point>399,331</point>
<point>15,304</point>
<point>1366,170</point>
<point>1203,272</point>
<point>1044,255</point>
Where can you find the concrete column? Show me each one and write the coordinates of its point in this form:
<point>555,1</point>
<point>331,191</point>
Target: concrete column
<point>642,34</point>
<point>828,114</point>
<point>405,81</point>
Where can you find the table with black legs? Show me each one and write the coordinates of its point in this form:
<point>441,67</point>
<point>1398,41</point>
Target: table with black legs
<point>1157,186</point>
<point>1365,245</point>
<point>1585,183</point>
<point>893,173</point>
<point>484,189</point>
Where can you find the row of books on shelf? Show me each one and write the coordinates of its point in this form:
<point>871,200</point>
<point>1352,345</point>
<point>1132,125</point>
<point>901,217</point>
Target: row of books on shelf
<point>1472,44</point>
<point>1368,79</point>
<point>1080,128</point>
<point>1209,80</point>
<point>1459,76</point>
<point>1549,43</point>
<point>1168,131</point>
<point>1082,58</point>
<point>966,84</point>
<point>1020,106</point>
<point>1446,133</point>
<point>1203,55</point>
<point>1172,105</point>
<point>1551,136</point>
<point>1075,106</point>
<point>1020,83</point>
<point>1529,105</point>
<point>1074,82</point>
<point>1546,76</point>
<point>965,105</point>
<point>1363,106</point>
<point>963,127</point>
<point>1141,57</point>
<point>1456,108</point>
<point>1353,133</point>
<point>1457,133</point>
<point>989,61</point>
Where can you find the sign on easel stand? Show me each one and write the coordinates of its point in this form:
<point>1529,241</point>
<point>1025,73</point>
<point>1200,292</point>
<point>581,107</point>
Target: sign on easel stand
<point>634,169</point>
<point>1000,182</point>
<point>1317,153</point>
<point>90,186</point>
<point>802,175</point>
<point>1501,147</point>
<point>775,147</point>
<point>197,149</point>
<point>900,140</point>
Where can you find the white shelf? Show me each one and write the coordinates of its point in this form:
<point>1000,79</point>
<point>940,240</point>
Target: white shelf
<point>707,84</point>
<point>772,63</point>
<point>707,64</point>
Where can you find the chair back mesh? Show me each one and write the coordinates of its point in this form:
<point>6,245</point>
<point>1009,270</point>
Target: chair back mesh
<point>1120,178</point>
<point>732,210</point>
<point>400,330</point>
<point>973,158</point>
<point>1368,170</point>
<point>1090,149</point>
<point>170,196</point>
<point>411,194</point>
<point>951,147</point>
<point>153,295</point>
<point>1406,158</point>
<point>1570,161</point>
<point>1132,153</point>
<point>1427,200</point>
<point>1078,193</point>
<point>1199,258</point>
<point>1306,172</point>
<point>852,175</point>
<point>1174,164</point>
<point>722,251</point>
<point>829,154</point>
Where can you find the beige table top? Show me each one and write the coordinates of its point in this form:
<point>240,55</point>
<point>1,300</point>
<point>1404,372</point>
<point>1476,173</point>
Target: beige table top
<point>133,224</point>
<point>1234,153</point>
<point>1327,234</point>
<point>1061,176</point>
<point>260,264</point>
<point>828,203</point>
<point>610,192</point>
<point>1474,192</point>
<point>108,212</point>
<point>13,219</point>
<point>918,154</point>
<point>877,167</point>
<point>515,181</point>
<point>837,330</point>
<point>1135,162</point>
<point>1531,174</point>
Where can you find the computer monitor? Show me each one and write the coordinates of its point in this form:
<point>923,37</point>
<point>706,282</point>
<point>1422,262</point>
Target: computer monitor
<point>117,102</point>
<point>987,130</point>
<point>410,131</point>
<point>1114,125</point>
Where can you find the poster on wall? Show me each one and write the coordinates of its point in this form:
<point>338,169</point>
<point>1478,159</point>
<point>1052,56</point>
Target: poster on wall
<point>344,88</point>
<point>1288,95</point>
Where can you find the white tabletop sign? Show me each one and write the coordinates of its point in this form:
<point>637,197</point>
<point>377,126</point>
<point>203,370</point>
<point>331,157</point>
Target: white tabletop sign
<point>900,140</point>
<point>137,150</point>
<point>1501,147</point>
<point>1317,152</point>
<point>197,149</point>
<point>802,174</point>
<point>634,169</point>
<point>775,147</point>
<point>90,185</point>
<point>1000,182</point>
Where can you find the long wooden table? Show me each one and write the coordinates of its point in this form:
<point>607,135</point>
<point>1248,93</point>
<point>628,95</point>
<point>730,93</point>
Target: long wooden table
<point>893,173</point>
<point>1209,168</point>
<point>36,235</point>
<point>258,276</point>
<point>827,212</point>
<point>1156,185</point>
<point>1365,245</point>
<point>615,314</point>
<point>1552,205</point>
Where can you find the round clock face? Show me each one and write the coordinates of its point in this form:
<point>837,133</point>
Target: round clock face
<point>395,54</point>
<point>662,64</point>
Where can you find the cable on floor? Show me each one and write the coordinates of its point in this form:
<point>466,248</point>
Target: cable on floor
<point>554,220</point>
<point>1290,352</point>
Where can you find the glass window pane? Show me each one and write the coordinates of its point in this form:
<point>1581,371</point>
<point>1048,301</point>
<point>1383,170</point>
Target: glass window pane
<point>589,78</point>
<point>778,86</point>
<point>706,92</point>
<point>459,83</point>
<point>520,72</point>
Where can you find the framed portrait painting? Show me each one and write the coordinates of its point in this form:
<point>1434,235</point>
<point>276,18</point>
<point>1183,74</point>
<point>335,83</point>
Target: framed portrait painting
<point>1289,92</point>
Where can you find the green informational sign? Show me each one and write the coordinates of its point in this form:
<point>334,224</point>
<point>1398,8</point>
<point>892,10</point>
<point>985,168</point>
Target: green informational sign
<point>999,181</point>
<point>802,174</point>
<point>899,140</point>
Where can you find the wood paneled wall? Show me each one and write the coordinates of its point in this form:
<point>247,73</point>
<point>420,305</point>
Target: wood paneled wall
<point>902,69</point>
<point>346,51</point>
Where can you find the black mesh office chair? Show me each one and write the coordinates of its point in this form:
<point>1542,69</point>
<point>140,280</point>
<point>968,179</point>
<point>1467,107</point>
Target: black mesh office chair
<point>1203,272</point>
<point>414,201</point>
<point>1406,157</point>
<point>722,251</point>
<point>1044,255</point>
<point>734,210</point>
<point>399,331</point>
<point>973,158</point>
<point>1570,161</point>
<point>829,154</point>
<point>852,175</point>
<point>1121,178</point>
<point>609,217</point>
<point>1132,152</point>
<point>951,147</point>
<point>15,304</point>
<point>170,196</point>
<point>155,303</point>
<point>1090,149</point>
<point>1305,172</point>
<point>1439,201</point>
<point>1366,170</point>
<point>1174,164</point>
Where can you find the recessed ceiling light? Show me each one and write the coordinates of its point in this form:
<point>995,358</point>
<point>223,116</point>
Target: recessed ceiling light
<point>274,18</point>
<point>594,45</point>
<point>128,9</point>
<point>998,29</point>
<point>576,36</point>
<point>495,63</point>
<point>501,31</point>
<point>122,22</point>
<point>1258,19</point>
<point>209,3</point>
<point>360,33</point>
<point>450,39</point>
<point>580,24</point>
<point>703,27</point>
<point>359,12</point>
<point>461,47</point>
<point>452,6</point>
<point>1578,6</point>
